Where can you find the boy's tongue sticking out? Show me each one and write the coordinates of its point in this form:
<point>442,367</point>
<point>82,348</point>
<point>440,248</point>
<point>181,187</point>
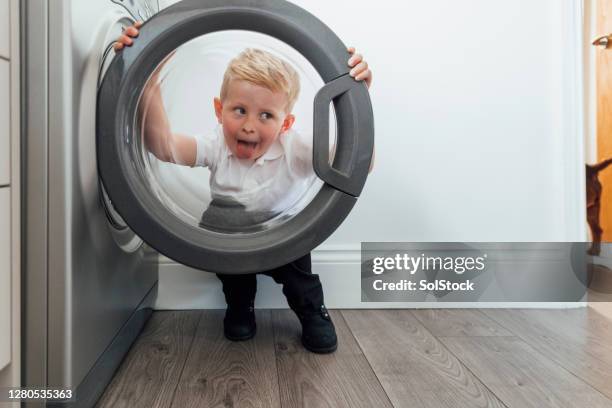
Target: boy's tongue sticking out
<point>245,149</point>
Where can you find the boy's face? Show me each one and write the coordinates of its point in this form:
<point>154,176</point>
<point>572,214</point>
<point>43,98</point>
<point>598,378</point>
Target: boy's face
<point>252,118</point>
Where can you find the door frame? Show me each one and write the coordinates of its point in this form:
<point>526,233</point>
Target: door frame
<point>575,125</point>
<point>589,94</point>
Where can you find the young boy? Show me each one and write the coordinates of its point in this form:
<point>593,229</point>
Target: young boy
<point>254,155</point>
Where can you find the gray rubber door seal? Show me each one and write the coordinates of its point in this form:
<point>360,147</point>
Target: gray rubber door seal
<point>344,179</point>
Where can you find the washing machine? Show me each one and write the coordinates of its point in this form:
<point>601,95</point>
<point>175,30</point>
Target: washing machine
<point>183,51</point>
<point>99,207</point>
<point>89,283</point>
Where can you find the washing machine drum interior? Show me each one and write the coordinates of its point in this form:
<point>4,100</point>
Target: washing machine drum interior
<point>211,170</point>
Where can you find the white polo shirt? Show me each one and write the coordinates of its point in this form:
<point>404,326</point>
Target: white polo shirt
<point>273,182</point>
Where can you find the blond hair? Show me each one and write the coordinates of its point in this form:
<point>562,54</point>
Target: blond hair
<point>263,69</point>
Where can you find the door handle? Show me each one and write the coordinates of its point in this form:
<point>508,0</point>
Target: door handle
<point>602,41</point>
<point>356,134</point>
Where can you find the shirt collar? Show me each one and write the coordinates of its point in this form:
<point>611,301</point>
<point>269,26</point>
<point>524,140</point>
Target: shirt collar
<point>274,152</point>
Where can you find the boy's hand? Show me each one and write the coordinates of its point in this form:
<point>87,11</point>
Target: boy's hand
<point>125,40</point>
<point>360,70</point>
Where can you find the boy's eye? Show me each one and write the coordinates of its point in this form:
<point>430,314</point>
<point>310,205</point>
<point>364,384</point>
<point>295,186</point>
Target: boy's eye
<point>240,111</point>
<point>266,115</point>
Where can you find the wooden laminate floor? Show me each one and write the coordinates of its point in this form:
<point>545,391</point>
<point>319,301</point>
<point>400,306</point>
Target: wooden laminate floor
<point>385,358</point>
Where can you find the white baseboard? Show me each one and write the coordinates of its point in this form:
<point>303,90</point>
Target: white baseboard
<point>183,288</point>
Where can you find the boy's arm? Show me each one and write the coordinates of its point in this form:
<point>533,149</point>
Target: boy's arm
<point>158,136</point>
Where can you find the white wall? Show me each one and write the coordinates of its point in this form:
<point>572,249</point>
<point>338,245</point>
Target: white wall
<point>468,99</point>
<point>476,138</point>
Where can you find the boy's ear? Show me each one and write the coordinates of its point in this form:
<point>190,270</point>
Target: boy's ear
<point>287,123</point>
<point>218,108</point>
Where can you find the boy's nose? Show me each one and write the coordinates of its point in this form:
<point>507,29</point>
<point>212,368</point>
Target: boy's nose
<point>248,126</point>
<point>248,129</point>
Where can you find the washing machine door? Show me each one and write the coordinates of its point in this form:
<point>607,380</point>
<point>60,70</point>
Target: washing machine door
<point>180,210</point>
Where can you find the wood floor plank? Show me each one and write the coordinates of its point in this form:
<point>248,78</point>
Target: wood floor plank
<point>222,373</point>
<point>520,376</point>
<point>580,340</point>
<point>602,308</point>
<point>340,379</point>
<point>459,322</point>
<point>414,368</point>
<point>150,372</point>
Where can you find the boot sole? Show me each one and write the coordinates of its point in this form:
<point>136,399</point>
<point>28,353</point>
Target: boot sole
<point>320,350</point>
<point>241,338</point>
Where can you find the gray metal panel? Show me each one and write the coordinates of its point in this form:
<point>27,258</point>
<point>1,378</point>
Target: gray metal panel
<point>59,177</point>
<point>34,190</point>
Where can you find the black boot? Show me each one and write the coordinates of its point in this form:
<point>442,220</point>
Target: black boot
<point>304,294</point>
<point>318,331</point>
<point>239,323</point>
